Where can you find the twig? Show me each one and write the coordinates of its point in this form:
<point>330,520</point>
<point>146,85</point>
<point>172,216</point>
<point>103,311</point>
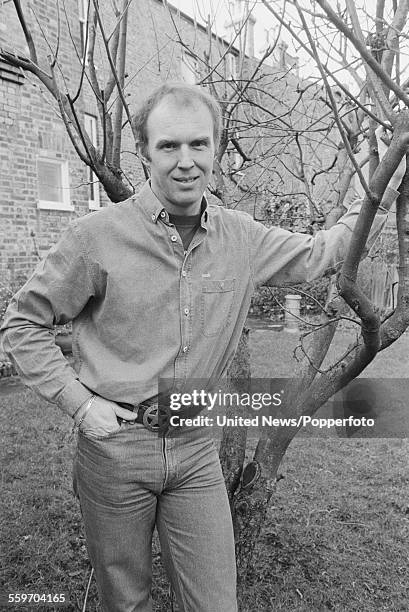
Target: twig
<point>333,104</point>
<point>303,178</point>
<point>27,33</point>
<point>375,84</point>
<point>327,70</point>
<point>58,34</point>
<point>371,61</point>
<point>113,69</point>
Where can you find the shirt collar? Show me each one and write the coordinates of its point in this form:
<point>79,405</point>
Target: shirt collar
<point>155,209</point>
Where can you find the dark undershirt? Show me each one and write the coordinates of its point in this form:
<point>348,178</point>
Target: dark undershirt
<point>186,226</point>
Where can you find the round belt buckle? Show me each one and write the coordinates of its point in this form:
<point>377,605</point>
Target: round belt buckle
<point>150,418</point>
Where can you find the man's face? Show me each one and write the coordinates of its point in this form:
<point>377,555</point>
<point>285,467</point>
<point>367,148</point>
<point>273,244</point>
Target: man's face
<point>181,152</point>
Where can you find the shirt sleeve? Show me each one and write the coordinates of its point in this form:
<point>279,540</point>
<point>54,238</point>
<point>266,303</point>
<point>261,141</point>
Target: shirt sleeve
<point>279,257</point>
<point>56,293</point>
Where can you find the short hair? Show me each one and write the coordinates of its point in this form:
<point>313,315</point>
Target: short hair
<point>187,94</point>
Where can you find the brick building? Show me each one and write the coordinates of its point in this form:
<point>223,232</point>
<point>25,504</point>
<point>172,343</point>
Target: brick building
<point>43,184</point>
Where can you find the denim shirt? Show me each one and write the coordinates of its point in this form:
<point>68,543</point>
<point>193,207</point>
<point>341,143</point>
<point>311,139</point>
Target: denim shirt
<point>142,308</point>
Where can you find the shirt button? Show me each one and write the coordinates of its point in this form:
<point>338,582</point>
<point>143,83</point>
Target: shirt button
<point>186,311</point>
<point>163,214</point>
<point>153,218</point>
<point>184,272</point>
<point>173,238</point>
<point>185,349</point>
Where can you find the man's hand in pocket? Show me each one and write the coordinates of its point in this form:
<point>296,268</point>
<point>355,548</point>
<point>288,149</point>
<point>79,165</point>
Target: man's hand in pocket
<point>102,417</point>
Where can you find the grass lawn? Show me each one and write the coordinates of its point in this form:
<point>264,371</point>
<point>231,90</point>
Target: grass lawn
<point>337,535</point>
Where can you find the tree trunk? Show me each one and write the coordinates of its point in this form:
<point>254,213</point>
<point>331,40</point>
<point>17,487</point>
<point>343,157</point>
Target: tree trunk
<point>233,445</point>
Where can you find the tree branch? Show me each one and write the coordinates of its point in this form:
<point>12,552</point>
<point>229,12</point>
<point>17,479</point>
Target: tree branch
<point>378,88</point>
<point>392,39</point>
<point>333,103</point>
<point>398,322</point>
<point>117,127</point>
<point>371,61</point>
<point>349,290</point>
<point>27,33</point>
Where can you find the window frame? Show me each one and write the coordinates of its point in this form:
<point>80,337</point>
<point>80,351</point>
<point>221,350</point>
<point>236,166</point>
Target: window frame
<point>190,63</point>
<point>65,204</point>
<point>231,66</point>
<point>83,11</point>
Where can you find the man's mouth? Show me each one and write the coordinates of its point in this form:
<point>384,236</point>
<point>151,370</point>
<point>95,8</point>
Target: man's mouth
<point>187,179</point>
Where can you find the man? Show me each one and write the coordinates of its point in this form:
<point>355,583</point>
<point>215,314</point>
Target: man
<point>157,286</point>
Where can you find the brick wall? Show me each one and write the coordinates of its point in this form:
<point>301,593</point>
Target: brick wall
<point>30,126</point>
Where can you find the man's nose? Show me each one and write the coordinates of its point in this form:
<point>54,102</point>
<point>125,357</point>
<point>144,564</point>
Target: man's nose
<point>185,158</point>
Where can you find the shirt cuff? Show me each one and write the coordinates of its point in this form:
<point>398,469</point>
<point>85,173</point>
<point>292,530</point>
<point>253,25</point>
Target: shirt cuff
<point>73,395</point>
<point>389,198</point>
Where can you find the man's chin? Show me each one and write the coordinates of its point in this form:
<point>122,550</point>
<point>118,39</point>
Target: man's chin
<point>187,198</point>
<point>182,201</point>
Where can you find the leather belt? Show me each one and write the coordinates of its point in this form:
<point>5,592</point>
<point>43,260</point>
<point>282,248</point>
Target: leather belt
<point>155,416</point>
<point>148,414</point>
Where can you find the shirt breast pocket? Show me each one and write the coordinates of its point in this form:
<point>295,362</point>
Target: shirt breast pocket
<point>217,300</point>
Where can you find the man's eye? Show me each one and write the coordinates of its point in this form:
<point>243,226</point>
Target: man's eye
<point>169,146</point>
<point>200,144</point>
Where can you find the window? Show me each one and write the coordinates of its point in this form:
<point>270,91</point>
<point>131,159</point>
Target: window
<point>230,60</point>
<point>11,73</point>
<point>53,184</point>
<point>189,68</point>
<point>90,124</point>
<point>83,7</point>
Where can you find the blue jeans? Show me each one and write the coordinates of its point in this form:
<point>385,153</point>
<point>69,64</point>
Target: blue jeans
<point>130,481</point>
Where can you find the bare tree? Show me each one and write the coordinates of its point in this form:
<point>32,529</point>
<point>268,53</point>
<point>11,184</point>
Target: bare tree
<point>387,101</point>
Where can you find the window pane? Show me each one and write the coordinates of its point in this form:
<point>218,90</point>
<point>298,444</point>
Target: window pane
<point>50,181</point>
<point>82,9</point>
<point>90,124</point>
<point>83,34</point>
<point>83,18</point>
<point>188,68</point>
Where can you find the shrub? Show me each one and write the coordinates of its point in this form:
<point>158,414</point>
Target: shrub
<point>6,294</point>
<point>269,301</point>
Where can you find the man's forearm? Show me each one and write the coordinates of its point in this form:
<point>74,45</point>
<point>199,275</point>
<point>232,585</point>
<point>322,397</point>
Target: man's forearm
<point>280,257</point>
<point>56,293</point>
<point>41,364</point>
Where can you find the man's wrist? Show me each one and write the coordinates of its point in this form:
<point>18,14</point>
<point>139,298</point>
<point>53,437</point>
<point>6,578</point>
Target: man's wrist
<point>73,396</point>
<point>82,411</point>
<point>389,197</point>
<point>78,413</point>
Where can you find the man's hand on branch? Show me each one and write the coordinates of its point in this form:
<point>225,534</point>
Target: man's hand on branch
<point>383,139</point>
